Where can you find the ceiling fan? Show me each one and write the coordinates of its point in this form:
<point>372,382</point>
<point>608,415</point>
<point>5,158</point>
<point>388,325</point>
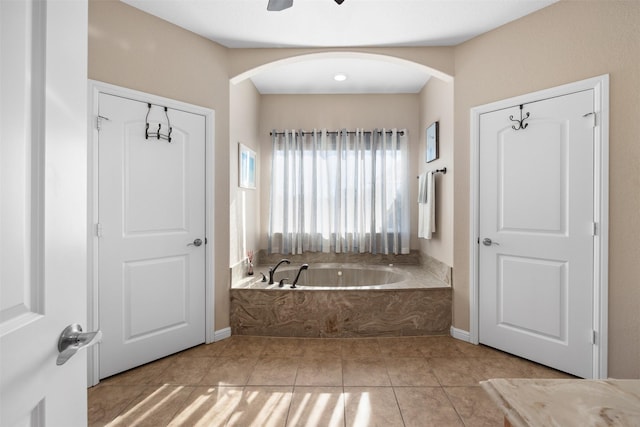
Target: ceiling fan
<point>278,5</point>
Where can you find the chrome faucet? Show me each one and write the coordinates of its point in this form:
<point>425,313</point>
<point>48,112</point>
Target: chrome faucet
<point>302,267</point>
<point>273,270</point>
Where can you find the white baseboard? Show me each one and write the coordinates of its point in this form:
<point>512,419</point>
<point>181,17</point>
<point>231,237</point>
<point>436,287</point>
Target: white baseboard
<point>221,334</point>
<point>460,334</point>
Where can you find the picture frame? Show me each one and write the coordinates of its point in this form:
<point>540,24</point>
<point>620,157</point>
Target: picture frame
<point>432,137</point>
<point>246,167</point>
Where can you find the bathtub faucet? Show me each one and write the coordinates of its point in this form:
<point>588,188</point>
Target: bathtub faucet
<point>302,267</point>
<point>272,271</point>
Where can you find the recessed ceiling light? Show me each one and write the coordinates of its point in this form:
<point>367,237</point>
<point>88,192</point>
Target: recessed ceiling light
<point>340,77</point>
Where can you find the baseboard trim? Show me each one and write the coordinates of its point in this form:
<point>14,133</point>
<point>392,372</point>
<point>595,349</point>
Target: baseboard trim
<point>221,334</point>
<point>460,334</point>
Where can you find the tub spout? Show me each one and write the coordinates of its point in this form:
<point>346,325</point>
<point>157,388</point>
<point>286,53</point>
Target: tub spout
<point>302,267</point>
<point>272,271</point>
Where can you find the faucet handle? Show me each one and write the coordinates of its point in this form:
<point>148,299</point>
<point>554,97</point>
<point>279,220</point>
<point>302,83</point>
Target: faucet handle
<point>264,278</point>
<point>281,284</point>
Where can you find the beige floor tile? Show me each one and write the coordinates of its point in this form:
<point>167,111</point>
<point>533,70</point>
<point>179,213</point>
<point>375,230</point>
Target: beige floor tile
<point>365,372</point>
<point>319,372</point>
<point>205,350</point>
<point>411,372</point>
<point>511,367</point>
<point>228,371</point>
<point>471,350</point>
<point>145,374</point>
<point>399,347</point>
<point>316,407</point>
<point>534,370</point>
<point>106,402</point>
<point>262,407</point>
<point>371,407</point>
<point>274,371</point>
<point>243,346</point>
<point>216,376</point>
<point>284,347</point>
<point>426,407</point>
<point>208,406</point>
<point>155,406</point>
<point>317,348</point>
<point>474,406</point>
<point>456,371</point>
<point>360,347</point>
<point>185,371</point>
<point>440,346</point>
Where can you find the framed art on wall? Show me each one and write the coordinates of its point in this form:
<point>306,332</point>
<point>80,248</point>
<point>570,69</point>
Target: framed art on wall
<point>432,143</point>
<point>246,166</point>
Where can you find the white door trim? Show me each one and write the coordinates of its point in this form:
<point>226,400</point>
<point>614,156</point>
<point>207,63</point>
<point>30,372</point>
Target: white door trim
<point>95,88</point>
<point>600,85</point>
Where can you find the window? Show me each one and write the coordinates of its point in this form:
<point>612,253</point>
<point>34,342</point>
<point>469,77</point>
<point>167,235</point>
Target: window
<point>339,192</point>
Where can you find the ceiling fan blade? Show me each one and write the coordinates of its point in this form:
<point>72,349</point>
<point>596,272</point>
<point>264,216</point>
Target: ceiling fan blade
<point>278,5</point>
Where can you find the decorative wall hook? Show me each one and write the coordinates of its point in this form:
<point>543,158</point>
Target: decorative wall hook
<point>157,134</point>
<point>520,123</point>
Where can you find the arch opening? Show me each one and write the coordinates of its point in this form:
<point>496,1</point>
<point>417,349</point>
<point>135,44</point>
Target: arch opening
<point>297,59</point>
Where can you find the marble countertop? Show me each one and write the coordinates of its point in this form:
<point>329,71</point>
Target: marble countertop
<point>566,402</point>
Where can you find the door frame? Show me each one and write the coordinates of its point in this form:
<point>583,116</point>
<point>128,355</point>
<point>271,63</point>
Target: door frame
<point>94,90</point>
<point>600,85</point>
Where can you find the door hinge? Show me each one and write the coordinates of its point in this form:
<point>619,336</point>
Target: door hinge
<point>594,337</point>
<point>99,230</point>
<point>594,230</point>
<point>99,121</point>
<point>594,117</point>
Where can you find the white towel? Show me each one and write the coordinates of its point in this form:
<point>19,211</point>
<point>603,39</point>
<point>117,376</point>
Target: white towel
<point>422,188</point>
<point>426,206</point>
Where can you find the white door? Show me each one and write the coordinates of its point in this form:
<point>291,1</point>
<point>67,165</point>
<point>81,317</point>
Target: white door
<point>537,230</point>
<point>43,202</point>
<point>151,250</point>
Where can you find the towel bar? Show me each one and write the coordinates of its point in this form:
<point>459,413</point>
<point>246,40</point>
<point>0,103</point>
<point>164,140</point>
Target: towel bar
<point>443,170</point>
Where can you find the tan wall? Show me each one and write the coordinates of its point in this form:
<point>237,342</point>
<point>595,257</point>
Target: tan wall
<point>132,49</point>
<point>565,42</point>
<point>337,112</point>
<point>562,43</point>
<point>436,104</point>
<point>244,204</point>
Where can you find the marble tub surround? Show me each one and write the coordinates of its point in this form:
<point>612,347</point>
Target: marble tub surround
<point>414,276</point>
<point>415,302</point>
<point>566,402</point>
<point>338,314</point>
<point>436,267</point>
<point>425,271</point>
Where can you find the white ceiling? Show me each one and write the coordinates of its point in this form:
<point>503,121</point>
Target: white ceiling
<point>325,24</point>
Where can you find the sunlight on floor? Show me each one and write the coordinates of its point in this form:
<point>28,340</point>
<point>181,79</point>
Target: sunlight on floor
<point>363,414</point>
<point>261,382</point>
<point>143,410</point>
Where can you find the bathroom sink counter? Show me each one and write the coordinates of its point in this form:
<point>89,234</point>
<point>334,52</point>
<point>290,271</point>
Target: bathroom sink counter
<point>566,402</point>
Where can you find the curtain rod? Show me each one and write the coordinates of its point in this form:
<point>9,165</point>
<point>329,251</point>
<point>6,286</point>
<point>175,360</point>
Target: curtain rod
<point>305,132</point>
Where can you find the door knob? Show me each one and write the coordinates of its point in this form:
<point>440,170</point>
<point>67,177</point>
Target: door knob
<point>488,242</point>
<point>196,242</point>
<point>73,339</point>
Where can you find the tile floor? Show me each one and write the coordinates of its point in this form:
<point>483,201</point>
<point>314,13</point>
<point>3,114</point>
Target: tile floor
<point>259,381</point>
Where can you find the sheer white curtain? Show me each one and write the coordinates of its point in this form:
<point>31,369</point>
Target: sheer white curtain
<point>339,192</point>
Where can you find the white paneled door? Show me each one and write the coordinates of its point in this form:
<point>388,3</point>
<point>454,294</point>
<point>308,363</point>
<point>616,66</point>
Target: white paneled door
<point>43,211</point>
<point>151,228</point>
<point>536,239</point>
